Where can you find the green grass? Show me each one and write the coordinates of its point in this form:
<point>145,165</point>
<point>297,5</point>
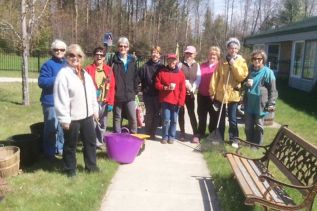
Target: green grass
<point>43,186</point>
<point>295,108</point>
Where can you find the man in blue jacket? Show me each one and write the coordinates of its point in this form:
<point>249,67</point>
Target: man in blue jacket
<point>53,137</point>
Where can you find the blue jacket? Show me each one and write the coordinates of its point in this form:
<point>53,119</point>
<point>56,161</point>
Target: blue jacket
<point>47,77</point>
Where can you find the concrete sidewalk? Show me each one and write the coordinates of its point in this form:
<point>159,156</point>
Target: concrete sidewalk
<point>163,178</point>
<point>12,79</point>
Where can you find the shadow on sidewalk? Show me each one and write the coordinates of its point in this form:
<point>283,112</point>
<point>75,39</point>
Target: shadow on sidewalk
<point>208,193</point>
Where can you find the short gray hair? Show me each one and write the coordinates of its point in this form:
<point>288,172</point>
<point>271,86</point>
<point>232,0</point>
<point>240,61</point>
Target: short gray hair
<point>58,44</point>
<point>123,40</point>
<point>75,48</point>
<point>233,41</point>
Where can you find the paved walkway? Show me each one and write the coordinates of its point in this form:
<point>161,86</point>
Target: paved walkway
<point>11,79</point>
<point>163,178</point>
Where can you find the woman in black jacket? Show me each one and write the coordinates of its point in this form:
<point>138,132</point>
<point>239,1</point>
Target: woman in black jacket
<point>126,77</point>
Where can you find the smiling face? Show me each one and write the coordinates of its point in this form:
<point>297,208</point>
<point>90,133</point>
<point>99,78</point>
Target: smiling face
<point>212,57</point>
<point>257,61</point>
<point>123,49</point>
<point>59,52</point>
<point>155,55</point>
<point>232,50</point>
<point>99,58</point>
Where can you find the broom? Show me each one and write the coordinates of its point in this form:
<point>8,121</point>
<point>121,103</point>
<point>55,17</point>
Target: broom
<point>215,137</point>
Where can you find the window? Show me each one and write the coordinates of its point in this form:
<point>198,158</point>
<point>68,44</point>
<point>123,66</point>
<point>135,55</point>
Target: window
<point>310,59</point>
<point>298,59</point>
<point>304,59</point>
<point>273,56</point>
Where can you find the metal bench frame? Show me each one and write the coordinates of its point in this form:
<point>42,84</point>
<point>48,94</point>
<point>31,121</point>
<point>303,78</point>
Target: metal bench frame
<point>293,157</point>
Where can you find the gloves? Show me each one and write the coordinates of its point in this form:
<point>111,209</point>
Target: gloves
<point>109,108</point>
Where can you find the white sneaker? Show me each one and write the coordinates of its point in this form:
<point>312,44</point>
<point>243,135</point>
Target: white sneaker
<point>235,145</point>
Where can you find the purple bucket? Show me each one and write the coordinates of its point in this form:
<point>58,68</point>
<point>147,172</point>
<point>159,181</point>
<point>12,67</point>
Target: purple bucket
<point>122,147</point>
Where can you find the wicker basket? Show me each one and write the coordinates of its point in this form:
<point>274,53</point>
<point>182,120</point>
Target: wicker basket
<point>9,161</point>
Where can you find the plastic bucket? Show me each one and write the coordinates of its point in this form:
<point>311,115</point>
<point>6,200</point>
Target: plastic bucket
<point>269,119</point>
<point>29,148</point>
<point>38,130</point>
<point>122,147</point>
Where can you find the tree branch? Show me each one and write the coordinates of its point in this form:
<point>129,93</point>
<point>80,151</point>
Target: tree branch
<point>5,26</point>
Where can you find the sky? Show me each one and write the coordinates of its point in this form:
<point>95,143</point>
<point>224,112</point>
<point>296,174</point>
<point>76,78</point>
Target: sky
<point>219,6</point>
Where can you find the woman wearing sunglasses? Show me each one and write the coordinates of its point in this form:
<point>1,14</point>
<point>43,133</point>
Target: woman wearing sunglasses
<point>126,77</point>
<point>103,78</point>
<point>259,97</point>
<point>53,137</point>
<point>76,107</point>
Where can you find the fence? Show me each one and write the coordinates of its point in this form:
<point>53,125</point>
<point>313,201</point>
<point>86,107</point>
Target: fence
<point>12,61</point>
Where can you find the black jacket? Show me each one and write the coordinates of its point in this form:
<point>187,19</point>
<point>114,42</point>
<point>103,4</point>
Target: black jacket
<point>126,81</point>
<point>147,76</point>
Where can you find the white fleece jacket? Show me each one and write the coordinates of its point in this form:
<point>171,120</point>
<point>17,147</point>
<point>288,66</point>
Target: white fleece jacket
<point>73,99</point>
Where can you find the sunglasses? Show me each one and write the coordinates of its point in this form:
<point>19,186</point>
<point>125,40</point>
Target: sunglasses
<point>123,46</point>
<point>257,59</point>
<point>71,55</point>
<point>99,55</point>
<point>61,50</point>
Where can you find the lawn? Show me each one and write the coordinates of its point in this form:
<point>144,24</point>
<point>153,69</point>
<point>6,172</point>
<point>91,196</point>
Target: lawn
<point>296,109</point>
<point>42,186</point>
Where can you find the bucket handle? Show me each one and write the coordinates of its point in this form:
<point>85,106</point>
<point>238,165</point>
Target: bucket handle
<point>125,130</point>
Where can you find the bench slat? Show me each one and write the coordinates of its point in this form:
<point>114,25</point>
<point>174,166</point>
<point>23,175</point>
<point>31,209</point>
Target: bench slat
<point>245,188</point>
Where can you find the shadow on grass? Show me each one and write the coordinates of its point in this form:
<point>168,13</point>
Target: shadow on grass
<point>299,100</point>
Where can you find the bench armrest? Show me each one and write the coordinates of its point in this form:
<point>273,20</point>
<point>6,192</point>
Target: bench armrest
<point>277,182</point>
<point>246,143</point>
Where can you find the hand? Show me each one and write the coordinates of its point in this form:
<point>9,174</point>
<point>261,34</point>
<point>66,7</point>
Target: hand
<point>96,116</point>
<point>109,108</point>
<point>65,126</point>
<point>271,108</point>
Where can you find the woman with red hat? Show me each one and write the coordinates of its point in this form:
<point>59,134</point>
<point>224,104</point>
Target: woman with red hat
<point>170,82</point>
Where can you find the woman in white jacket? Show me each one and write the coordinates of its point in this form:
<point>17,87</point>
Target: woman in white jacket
<point>76,107</point>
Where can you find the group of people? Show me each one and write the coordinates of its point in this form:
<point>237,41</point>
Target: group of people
<point>76,100</point>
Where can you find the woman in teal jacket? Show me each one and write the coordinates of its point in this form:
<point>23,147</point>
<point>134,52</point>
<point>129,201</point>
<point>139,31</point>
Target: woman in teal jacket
<point>259,98</point>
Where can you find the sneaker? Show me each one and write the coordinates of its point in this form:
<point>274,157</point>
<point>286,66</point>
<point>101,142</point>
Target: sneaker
<point>235,144</point>
<point>70,173</point>
<point>195,140</point>
<point>182,137</point>
<point>170,141</point>
<point>163,141</point>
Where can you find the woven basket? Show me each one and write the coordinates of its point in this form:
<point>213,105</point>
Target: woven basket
<point>9,161</point>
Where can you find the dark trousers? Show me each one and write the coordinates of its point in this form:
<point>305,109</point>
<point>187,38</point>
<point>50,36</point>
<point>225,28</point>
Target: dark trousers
<point>233,123</point>
<point>204,107</point>
<point>88,135</point>
<point>190,105</point>
<point>152,116</point>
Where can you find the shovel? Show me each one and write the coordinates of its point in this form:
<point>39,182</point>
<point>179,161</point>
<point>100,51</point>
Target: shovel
<point>215,137</point>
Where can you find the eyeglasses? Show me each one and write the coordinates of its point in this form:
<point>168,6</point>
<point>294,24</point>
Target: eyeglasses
<point>99,55</point>
<point>257,59</point>
<point>123,46</point>
<point>71,55</point>
<point>61,50</point>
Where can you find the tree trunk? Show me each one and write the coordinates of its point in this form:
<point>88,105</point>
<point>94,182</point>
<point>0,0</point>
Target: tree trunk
<point>25,55</point>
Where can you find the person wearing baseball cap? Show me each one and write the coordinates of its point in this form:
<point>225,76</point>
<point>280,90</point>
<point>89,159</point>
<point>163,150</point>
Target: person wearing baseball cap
<point>170,82</point>
<point>191,70</point>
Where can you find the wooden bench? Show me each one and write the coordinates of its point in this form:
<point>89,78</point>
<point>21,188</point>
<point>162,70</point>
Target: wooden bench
<point>293,157</point>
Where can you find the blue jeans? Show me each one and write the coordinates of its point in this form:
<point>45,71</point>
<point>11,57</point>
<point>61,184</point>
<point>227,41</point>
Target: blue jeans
<point>254,128</point>
<point>233,124</point>
<point>53,136</point>
<point>170,116</point>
